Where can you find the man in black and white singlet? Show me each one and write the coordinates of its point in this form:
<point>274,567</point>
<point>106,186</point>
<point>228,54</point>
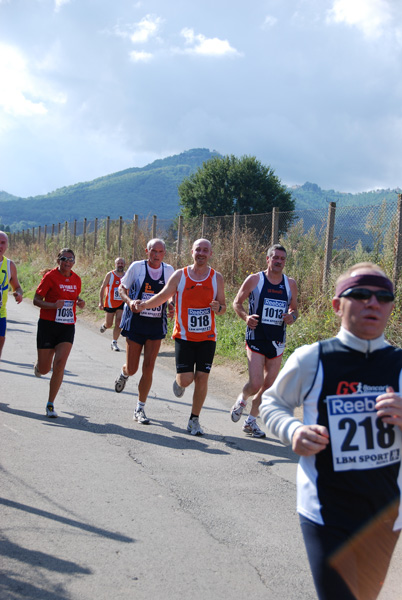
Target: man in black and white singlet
<point>349,477</point>
<point>146,330</point>
<point>272,299</point>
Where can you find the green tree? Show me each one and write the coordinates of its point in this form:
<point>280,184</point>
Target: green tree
<point>224,185</point>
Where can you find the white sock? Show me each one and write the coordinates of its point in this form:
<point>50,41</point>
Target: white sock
<point>250,419</point>
<point>140,405</point>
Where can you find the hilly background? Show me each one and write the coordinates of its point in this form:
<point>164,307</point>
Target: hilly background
<point>146,191</point>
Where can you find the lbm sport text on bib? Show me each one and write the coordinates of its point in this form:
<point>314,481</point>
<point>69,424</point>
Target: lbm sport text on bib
<point>154,313</point>
<point>360,439</point>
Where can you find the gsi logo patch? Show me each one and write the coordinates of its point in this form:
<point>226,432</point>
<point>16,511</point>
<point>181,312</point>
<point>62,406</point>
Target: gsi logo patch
<point>345,387</point>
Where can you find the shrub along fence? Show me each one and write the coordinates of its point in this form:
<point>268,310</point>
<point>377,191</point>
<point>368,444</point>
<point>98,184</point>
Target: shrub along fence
<point>336,233</point>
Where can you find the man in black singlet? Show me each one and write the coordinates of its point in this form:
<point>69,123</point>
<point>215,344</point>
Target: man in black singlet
<point>272,298</point>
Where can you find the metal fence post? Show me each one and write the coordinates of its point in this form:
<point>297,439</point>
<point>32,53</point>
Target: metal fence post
<point>275,226</point>
<point>135,236</point>
<point>95,233</point>
<point>107,235</point>
<point>179,240</point>
<point>84,235</point>
<point>329,242</point>
<point>398,244</point>
<point>120,232</point>
<point>235,244</point>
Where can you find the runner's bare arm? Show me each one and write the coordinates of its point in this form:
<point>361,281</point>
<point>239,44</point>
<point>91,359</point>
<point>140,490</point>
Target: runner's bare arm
<point>15,284</point>
<point>41,303</point>
<point>167,292</point>
<point>244,292</point>
<point>103,288</point>
<point>292,314</point>
<point>218,305</point>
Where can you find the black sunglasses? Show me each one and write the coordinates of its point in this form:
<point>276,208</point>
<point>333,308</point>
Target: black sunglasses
<point>67,259</point>
<point>365,294</point>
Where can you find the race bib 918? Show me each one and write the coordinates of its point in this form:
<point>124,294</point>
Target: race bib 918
<point>199,320</point>
<point>359,439</point>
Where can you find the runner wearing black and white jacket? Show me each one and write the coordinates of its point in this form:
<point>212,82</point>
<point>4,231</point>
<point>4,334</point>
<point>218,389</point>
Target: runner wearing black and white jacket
<point>349,476</point>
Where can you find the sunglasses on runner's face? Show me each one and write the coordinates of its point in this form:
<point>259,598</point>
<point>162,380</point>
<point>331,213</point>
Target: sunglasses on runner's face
<point>364,294</point>
<point>67,259</point>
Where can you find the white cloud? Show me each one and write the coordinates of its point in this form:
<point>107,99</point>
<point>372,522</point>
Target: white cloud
<point>147,28</point>
<point>140,56</point>
<point>206,46</point>
<point>59,3</point>
<point>370,16</point>
<point>18,93</point>
<point>269,21</point>
<point>74,78</point>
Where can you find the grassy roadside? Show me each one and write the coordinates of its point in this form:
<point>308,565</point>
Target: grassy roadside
<point>317,319</point>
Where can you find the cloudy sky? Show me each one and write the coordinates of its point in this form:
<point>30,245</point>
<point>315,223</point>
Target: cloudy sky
<point>312,88</point>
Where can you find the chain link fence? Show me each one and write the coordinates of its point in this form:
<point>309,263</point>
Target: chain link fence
<point>370,232</point>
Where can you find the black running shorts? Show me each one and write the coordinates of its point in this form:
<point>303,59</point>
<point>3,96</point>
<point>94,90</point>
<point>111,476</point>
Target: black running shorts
<point>188,354</point>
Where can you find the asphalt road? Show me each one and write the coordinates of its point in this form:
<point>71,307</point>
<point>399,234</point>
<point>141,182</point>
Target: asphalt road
<point>96,506</point>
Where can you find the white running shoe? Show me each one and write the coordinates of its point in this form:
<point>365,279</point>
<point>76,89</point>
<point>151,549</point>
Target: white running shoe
<point>36,371</point>
<point>253,429</point>
<point>194,427</point>
<point>237,409</point>
<point>140,416</point>
<point>50,412</point>
<point>114,346</point>
<point>120,383</point>
<point>102,328</point>
<point>178,390</point>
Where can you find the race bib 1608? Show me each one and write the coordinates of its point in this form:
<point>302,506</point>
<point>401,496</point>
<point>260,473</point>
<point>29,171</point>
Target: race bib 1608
<point>65,314</point>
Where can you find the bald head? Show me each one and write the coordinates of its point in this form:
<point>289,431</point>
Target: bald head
<point>202,242</point>
<point>3,243</point>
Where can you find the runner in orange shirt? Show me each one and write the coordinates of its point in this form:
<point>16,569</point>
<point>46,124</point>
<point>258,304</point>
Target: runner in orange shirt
<point>199,296</point>
<point>111,302</point>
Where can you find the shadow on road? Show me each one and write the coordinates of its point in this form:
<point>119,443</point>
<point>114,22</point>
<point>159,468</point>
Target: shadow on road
<point>65,520</point>
<point>19,588</point>
<point>149,434</point>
